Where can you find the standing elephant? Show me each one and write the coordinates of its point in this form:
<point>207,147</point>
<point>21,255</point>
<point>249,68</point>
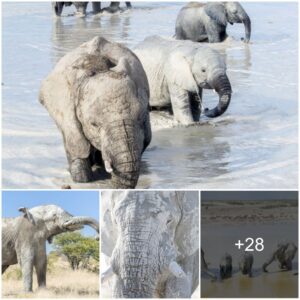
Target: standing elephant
<point>24,238</point>
<point>285,254</point>
<point>81,7</point>
<point>245,264</point>
<point>98,95</point>
<point>204,267</point>
<point>178,71</point>
<point>152,239</point>
<point>226,266</point>
<point>202,22</point>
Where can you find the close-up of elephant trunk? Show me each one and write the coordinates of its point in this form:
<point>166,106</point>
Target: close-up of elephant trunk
<point>222,86</point>
<point>247,24</point>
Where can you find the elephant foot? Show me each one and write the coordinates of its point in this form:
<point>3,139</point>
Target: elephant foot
<point>81,171</point>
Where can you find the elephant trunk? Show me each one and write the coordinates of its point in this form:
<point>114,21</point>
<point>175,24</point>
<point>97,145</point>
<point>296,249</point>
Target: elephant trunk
<point>223,88</point>
<point>125,155</point>
<point>247,24</point>
<point>79,221</point>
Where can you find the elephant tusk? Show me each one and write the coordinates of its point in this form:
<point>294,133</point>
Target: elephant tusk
<point>176,270</point>
<point>108,167</point>
<point>106,274</point>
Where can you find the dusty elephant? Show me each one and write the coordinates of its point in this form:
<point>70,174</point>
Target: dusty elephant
<point>201,22</point>
<point>226,266</point>
<point>246,263</point>
<point>204,267</point>
<point>81,7</point>
<point>98,95</point>
<point>177,72</point>
<point>285,254</point>
<point>24,238</point>
<point>152,241</point>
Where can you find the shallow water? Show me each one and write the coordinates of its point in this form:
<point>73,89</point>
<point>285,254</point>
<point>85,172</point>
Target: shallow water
<point>253,145</point>
<point>218,239</point>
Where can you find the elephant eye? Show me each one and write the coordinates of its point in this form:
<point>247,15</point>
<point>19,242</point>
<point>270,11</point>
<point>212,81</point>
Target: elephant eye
<point>169,221</point>
<point>203,70</point>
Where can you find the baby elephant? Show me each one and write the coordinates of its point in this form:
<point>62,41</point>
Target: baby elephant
<point>285,254</point>
<point>245,264</point>
<point>226,266</point>
<point>98,95</point>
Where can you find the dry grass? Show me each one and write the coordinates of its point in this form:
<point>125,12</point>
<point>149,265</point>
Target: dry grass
<point>62,282</point>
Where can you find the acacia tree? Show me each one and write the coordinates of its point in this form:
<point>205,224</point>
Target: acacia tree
<point>77,248</point>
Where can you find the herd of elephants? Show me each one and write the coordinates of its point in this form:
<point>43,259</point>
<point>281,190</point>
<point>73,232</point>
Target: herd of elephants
<point>100,96</point>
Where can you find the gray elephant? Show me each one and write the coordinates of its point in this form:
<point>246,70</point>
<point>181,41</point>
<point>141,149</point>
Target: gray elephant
<point>226,266</point>
<point>202,22</point>
<point>204,267</point>
<point>98,95</point>
<point>177,72</point>
<point>24,238</point>
<point>285,254</point>
<point>246,263</point>
<point>82,6</point>
<point>152,239</point>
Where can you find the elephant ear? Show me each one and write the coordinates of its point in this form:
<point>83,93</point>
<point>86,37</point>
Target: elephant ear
<point>27,214</point>
<point>109,232</point>
<point>187,231</point>
<point>217,12</point>
<point>178,71</point>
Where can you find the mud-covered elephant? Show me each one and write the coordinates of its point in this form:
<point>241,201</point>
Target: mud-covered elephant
<point>246,263</point>
<point>177,72</point>
<point>82,6</point>
<point>204,267</point>
<point>226,266</point>
<point>284,254</point>
<point>152,239</point>
<point>24,238</point>
<point>98,95</point>
<point>201,22</point>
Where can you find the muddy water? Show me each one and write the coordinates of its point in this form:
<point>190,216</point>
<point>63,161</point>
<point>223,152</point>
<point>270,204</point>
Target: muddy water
<point>253,145</point>
<point>218,239</point>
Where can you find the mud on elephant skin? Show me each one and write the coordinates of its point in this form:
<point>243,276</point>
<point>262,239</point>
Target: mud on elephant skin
<point>201,22</point>
<point>98,95</point>
<point>24,238</point>
<point>152,239</point>
<point>177,72</point>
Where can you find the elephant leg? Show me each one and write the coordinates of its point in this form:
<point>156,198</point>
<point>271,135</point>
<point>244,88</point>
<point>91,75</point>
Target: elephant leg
<point>213,33</point>
<point>196,102</point>
<point>181,105</point>
<point>4,267</point>
<point>128,4</point>
<point>41,268</point>
<point>25,260</point>
<point>96,7</point>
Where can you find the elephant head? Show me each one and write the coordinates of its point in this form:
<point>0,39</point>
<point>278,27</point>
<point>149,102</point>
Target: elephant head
<point>231,12</point>
<point>146,234</point>
<point>200,67</point>
<point>55,220</point>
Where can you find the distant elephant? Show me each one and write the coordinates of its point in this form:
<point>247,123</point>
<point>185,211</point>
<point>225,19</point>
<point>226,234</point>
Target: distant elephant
<point>152,239</point>
<point>98,95</point>
<point>226,266</point>
<point>245,264</point>
<point>24,238</point>
<point>177,72</point>
<point>202,22</point>
<point>285,254</point>
<point>204,267</point>
<point>81,7</point>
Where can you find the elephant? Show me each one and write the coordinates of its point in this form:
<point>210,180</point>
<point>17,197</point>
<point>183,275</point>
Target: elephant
<point>204,267</point>
<point>152,239</point>
<point>24,238</point>
<point>98,95</point>
<point>245,264</point>
<point>285,254</point>
<point>226,266</point>
<point>177,72</point>
<point>81,7</point>
<point>202,22</point>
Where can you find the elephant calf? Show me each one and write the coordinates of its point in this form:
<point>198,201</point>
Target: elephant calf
<point>226,266</point>
<point>177,72</point>
<point>285,254</point>
<point>98,95</point>
<point>201,22</point>
<point>245,264</point>
<point>24,238</point>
